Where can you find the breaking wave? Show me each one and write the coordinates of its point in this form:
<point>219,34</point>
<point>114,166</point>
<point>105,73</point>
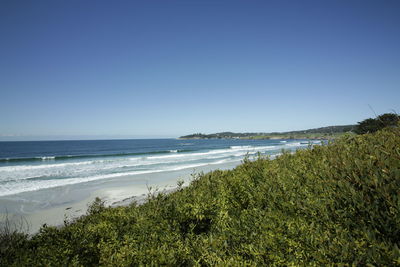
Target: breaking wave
<point>36,173</point>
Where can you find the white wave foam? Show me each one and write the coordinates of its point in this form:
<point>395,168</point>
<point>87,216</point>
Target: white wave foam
<point>25,172</point>
<point>295,144</point>
<point>45,166</point>
<point>216,151</point>
<point>240,147</point>
<point>17,187</point>
<point>24,178</point>
<point>48,158</point>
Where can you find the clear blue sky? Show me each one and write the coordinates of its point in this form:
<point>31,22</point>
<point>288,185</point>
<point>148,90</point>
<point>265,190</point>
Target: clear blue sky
<point>168,68</point>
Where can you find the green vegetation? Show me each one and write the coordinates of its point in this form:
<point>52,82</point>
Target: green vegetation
<point>372,125</point>
<point>329,132</point>
<point>325,136</point>
<point>336,204</point>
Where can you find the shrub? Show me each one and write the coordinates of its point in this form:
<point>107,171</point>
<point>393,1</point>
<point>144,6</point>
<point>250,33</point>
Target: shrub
<point>372,125</point>
<point>336,204</point>
<point>13,242</point>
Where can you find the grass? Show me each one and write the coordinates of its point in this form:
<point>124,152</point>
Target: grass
<point>336,204</point>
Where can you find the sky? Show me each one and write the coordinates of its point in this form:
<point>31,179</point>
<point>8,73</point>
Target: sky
<point>149,69</point>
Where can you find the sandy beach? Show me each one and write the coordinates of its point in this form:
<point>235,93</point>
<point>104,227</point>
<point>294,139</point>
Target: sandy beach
<point>53,206</point>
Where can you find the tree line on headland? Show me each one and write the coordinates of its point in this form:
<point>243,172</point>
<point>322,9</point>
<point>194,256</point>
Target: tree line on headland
<point>329,132</point>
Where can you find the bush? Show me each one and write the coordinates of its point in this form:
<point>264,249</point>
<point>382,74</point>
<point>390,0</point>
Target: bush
<point>13,242</point>
<point>373,125</point>
<point>330,205</point>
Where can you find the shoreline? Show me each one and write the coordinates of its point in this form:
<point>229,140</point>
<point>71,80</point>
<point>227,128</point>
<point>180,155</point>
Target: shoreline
<point>53,206</point>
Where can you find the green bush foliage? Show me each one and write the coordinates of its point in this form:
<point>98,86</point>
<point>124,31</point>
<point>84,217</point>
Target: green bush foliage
<point>336,204</point>
<point>372,125</point>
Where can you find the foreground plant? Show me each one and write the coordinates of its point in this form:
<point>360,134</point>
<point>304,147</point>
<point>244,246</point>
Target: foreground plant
<point>334,204</point>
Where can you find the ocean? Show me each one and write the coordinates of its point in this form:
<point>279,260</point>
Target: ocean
<point>38,165</point>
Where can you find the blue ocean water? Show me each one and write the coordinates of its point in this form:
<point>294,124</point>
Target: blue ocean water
<point>35,165</point>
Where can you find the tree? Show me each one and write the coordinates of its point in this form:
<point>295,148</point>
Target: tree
<point>388,119</point>
<point>372,125</point>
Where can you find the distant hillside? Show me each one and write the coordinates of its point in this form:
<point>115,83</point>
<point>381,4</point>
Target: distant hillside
<point>322,132</point>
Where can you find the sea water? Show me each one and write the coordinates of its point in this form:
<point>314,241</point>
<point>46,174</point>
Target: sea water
<point>42,165</point>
